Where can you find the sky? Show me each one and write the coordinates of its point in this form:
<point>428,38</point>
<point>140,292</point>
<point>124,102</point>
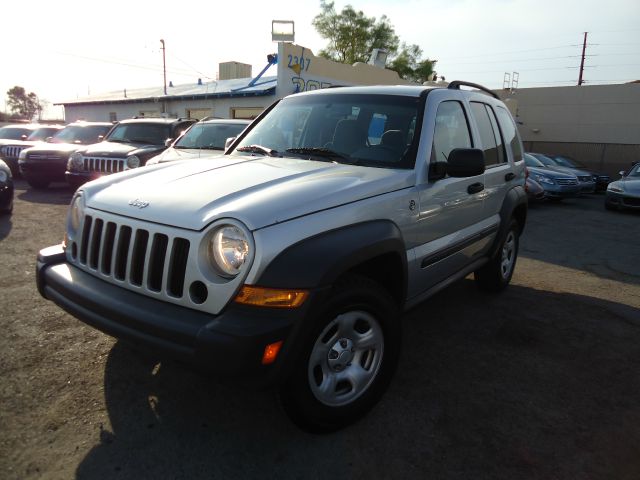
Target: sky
<point>70,49</point>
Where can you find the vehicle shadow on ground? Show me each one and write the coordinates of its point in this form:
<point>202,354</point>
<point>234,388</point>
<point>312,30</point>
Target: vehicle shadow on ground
<point>5,226</point>
<point>56,193</point>
<point>527,384</point>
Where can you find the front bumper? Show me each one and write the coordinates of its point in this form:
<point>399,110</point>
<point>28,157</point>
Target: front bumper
<point>561,191</point>
<point>75,179</point>
<point>230,345</point>
<point>49,169</point>
<point>623,200</point>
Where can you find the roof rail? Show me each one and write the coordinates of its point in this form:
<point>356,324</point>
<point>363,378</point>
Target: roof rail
<point>456,84</point>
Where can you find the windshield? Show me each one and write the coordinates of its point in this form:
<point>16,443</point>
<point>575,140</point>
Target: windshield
<point>531,161</point>
<point>635,171</point>
<point>14,133</point>
<point>210,136</point>
<point>42,133</point>
<point>545,160</point>
<point>373,130</point>
<point>82,135</point>
<point>567,162</point>
<point>147,133</point>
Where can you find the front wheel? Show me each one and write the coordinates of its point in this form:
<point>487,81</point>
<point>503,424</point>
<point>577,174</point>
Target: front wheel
<point>348,358</point>
<point>496,275</point>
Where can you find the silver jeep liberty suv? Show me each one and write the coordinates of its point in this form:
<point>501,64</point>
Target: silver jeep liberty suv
<point>287,261</point>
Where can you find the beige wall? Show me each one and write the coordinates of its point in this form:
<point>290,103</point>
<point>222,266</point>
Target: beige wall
<point>596,124</point>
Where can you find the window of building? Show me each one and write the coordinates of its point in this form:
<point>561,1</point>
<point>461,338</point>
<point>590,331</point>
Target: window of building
<point>113,117</point>
<point>199,113</point>
<point>246,112</point>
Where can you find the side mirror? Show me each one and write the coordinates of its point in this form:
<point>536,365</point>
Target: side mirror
<point>465,162</point>
<point>168,142</point>
<point>23,137</point>
<point>100,138</point>
<point>48,139</point>
<point>229,141</point>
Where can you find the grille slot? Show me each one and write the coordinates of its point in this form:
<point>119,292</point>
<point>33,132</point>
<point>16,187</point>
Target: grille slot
<point>566,181</point>
<point>103,165</point>
<point>156,261</point>
<point>151,260</point>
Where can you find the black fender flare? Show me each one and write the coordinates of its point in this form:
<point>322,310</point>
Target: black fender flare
<point>514,206</point>
<point>319,260</point>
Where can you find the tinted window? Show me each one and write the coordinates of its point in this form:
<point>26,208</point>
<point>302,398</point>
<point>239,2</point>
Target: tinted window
<point>42,133</point>
<point>14,133</point>
<point>508,128</point>
<point>452,131</point>
<point>490,137</point>
<point>82,135</point>
<point>210,136</point>
<point>150,133</point>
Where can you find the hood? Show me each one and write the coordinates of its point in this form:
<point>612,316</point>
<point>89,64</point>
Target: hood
<point>257,191</point>
<point>119,150</point>
<point>551,173</point>
<point>629,185</point>
<point>573,171</point>
<point>171,154</point>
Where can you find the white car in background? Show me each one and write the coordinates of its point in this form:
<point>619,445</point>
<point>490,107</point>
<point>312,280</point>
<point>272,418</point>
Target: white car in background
<point>206,137</point>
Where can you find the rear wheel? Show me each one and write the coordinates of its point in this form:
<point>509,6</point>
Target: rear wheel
<point>348,359</point>
<point>496,275</point>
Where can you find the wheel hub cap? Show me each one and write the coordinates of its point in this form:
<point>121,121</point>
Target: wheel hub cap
<point>341,354</point>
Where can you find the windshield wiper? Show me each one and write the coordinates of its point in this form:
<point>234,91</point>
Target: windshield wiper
<point>323,154</point>
<point>258,149</point>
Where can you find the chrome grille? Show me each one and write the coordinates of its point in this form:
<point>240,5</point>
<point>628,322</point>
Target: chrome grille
<point>153,261</point>
<point>566,181</point>
<point>12,151</point>
<point>585,178</point>
<point>46,156</point>
<point>104,164</point>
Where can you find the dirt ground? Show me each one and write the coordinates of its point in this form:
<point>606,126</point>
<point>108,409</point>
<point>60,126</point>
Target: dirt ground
<point>539,382</point>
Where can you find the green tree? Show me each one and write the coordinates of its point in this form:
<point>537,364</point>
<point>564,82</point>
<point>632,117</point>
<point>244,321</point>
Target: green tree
<point>25,105</point>
<point>409,65</point>
<point>352,36</point>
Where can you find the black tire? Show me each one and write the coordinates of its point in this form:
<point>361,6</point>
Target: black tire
<point>38,183</point>
<point>348,358</point>
<point>496,275</point>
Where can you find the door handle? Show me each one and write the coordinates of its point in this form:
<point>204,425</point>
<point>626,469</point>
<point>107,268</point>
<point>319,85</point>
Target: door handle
<point>475,188</point>
<point>509,176</point>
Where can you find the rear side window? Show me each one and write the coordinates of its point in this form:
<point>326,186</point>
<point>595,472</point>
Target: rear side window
<point>508,128</point>
<point>489,134</point>
<point>452,131</point>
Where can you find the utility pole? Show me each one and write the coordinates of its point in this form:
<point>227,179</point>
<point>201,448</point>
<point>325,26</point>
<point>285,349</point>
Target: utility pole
<point>584,48</point>
<point>164,66</point>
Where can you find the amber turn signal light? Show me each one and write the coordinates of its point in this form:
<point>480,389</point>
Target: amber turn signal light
<point>271,297</point>
<point>271,352</point>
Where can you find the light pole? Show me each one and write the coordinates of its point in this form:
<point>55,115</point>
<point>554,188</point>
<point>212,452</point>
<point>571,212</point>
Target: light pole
<point>164,66</point>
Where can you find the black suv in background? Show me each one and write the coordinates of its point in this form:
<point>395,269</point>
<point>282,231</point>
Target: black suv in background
<point>128,145</point>
<point>45,163</point>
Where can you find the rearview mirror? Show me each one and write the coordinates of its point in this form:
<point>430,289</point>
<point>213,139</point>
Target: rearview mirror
<point>229,141</point>
<point>168,142</point>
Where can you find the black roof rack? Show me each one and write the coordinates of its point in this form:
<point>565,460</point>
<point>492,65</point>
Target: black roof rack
<point>456,84</point>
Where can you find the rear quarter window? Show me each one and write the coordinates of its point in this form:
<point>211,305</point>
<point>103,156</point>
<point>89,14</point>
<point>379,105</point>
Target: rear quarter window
<point>509,132</point>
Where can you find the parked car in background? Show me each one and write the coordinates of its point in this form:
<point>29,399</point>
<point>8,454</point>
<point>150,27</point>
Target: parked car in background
<point>557,185</point>
<point>45,163</point>
<point>625,193</point>
<point>10,149</point>
<point>19,131</point>
<point>601,179</point>
<point>6,189</point>
<point>203,138</point>
<point>585,179</point>
<point>128,145</point>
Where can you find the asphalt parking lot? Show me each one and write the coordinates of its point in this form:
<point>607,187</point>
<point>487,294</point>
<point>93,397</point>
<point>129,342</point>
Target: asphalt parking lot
<point>539,382</point>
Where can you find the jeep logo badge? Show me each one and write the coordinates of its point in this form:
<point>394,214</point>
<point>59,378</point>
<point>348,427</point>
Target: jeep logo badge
<point>138,203</point>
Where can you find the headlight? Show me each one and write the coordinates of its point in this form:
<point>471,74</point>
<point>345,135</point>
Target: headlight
<point>76,212</point>
<point>3,176</point>
<point>616,188</point>
<point>133,161</point>
<point>76,162</point>
<point>228,250</point>
<point>543,179</point>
